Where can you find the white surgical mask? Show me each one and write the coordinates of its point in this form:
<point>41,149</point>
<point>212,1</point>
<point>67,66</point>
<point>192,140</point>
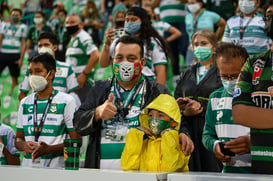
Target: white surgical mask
<point>194,7</point>
<point>247,6</point>
<point>45,50</point>
<point>37,82</point>
<point>38,21</point>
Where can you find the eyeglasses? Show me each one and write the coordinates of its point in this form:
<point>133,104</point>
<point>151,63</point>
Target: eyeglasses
<point>230,77</point>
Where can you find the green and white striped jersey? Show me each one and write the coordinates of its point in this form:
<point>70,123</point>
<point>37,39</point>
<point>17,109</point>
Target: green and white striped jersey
<point>78,52</point>
<point>64,80</point>
<point>57,124</point>
<point>254,38</point>
<point>12,36</point>
<point>114,130</point>
<point>172,11</point>
<point>219,126</point>
<point>8,138</point>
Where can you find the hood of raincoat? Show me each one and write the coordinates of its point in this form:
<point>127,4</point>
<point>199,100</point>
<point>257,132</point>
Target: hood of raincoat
<point>163,103</point>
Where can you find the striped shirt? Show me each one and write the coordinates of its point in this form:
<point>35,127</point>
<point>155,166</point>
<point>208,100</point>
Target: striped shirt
<point>12,36</point>
<point>111,145</point>
<point>172,11</point>
<point>161,27</point>
<point>8,137</point>
<point>64,80</point>
<point>55,129</point>
<point>254,38</point>
<point>219,126</point>
<point>78,52</point>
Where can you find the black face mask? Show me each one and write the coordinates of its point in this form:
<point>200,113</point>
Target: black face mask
<point>268,28</point>
<point>119,24</point>
<point>72,29</point>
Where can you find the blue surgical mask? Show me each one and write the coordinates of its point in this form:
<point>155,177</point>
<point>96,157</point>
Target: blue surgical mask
<point>202,53</point>
<point>247,6</point>
<point>229,85</point>
<point>132,28</point>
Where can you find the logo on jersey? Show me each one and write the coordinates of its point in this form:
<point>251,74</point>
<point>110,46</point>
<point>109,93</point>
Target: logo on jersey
<point>256,75</point>
<point>53,108</point>
<point>237,92</point>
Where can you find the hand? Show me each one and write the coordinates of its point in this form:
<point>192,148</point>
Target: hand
<point>240,145</point>
<point>19,62</point>
<point>192,108</point>
<point>29,147</point>
<point>219,155</point>
<point>109,36</point>
<point>107,110</point>
<point>187,145</point>
<point>81,78</point>
<point>182,102</point>
<point>40,150</point>
<point>1,140</point>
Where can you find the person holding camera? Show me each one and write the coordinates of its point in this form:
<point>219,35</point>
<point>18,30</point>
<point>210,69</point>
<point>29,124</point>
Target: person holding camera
<point>228,141</point>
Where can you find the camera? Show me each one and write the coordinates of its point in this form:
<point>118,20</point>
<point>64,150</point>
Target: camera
<point>225,151</point>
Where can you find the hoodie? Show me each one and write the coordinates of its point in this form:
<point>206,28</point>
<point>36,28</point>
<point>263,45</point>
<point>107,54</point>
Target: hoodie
<point>145,152</point>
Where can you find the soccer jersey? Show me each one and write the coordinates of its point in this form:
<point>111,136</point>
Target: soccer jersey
<point>205,20</point>
<point>114,130</point>
<point>220,126</point>
<point>8,137</point>
<point>64,80</point>
<point>254,39</point>
<point>12,36</point>
<point>161,27</point>
<point>172,11</point>
<point>255,88</point>
<point>57,123</point>
<point>78,52</point>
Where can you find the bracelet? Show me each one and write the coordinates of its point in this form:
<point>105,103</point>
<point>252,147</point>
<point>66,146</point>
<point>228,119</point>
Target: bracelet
<point>84,73</point>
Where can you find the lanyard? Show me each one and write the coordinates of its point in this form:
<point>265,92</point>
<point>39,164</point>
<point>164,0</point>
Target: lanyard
<point>37,130</point>
<point>243,28</point>
<point>125,107</point>
<point>195,21</point>
<point>61,34</point>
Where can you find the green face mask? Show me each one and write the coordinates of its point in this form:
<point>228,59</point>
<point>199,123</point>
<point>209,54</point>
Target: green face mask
<point>203,53</point>
<point>158,125</point>
<point>61,19</point>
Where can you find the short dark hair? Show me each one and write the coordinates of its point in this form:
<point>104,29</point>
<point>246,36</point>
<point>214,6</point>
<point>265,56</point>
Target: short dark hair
<point>48,35</point>
<point>129,39</point>
<point>62,10</point>
<point>41,13</point>
<point>46,59</point>
<point>18,10</point>
<point>230,50</point>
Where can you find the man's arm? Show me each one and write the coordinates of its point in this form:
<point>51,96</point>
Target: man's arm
<point>11,159</point>
<point>160,71</point>
<point>221,28</point>
<point>22,53</point>
<point>253,117</point>
<point>92,62</point>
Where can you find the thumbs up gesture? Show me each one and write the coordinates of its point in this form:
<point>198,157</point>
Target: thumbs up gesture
<point>107,110</point>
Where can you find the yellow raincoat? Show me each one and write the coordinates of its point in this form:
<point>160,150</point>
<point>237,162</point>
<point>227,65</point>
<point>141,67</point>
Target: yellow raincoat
<point>150,153</point>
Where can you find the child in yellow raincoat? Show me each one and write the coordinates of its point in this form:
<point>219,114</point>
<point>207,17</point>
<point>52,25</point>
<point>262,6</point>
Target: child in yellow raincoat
<point>154,145</point>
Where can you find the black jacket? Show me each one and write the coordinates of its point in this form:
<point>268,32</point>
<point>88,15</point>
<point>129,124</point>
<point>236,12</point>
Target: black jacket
<point>201,159</point>
<point>85,124</point>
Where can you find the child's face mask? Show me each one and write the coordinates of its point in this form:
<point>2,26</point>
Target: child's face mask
<point>158,125</point>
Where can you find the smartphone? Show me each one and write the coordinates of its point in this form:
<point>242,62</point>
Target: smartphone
<point>225,151</point>
<point>119,32</point>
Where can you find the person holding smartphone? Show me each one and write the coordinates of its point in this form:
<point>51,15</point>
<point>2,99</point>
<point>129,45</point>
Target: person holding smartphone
<point>228,141</point>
